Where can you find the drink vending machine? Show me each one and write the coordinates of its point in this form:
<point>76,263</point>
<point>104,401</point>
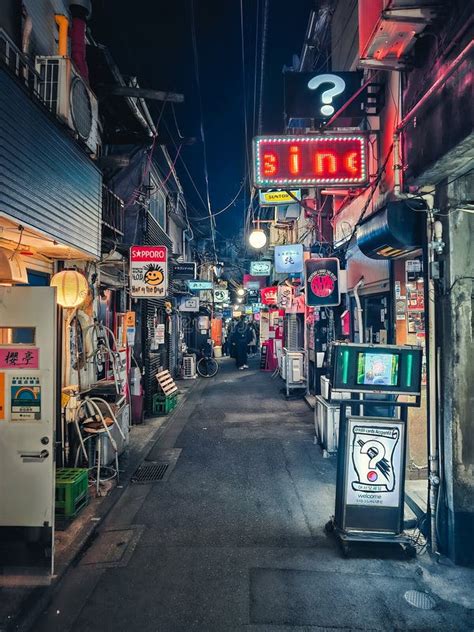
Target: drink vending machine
<point>370,487</point>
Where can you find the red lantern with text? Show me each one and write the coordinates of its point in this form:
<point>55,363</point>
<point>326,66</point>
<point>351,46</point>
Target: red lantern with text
<point>339,160</point>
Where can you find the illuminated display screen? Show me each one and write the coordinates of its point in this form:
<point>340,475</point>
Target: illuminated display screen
<point>377,369</point>
<point>337,160</point>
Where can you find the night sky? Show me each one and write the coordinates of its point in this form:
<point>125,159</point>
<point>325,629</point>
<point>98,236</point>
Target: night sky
<point>151,39</point>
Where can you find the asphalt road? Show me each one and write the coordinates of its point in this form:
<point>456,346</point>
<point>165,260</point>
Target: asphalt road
<point>233,540</point>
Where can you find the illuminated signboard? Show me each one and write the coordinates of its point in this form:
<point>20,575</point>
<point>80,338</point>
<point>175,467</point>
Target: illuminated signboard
<point>339,160</point>
<point>277,198</point>
<point>260,268</point>
<point>196,286</point>
<point>322,282</point>
<point>289,258</point>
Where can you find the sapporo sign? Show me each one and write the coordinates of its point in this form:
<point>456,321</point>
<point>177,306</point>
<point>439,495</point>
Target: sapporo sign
<point>148,271</point>
<point>322,282</point>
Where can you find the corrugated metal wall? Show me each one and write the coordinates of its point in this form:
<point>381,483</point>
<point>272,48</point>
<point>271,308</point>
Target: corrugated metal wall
<point>46,180</point>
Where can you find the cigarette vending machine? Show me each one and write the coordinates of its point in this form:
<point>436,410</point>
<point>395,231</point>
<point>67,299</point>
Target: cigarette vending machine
<point>27,432</point>
<point>370,486</point>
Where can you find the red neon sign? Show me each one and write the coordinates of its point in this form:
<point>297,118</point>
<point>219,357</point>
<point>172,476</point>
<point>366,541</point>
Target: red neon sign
<point>337,160</point>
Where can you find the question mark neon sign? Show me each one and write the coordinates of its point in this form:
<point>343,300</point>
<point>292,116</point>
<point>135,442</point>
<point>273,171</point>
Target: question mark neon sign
<point>328,95</point>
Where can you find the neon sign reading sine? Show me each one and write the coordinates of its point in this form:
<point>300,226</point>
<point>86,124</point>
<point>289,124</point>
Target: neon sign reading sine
<point>339,160</point>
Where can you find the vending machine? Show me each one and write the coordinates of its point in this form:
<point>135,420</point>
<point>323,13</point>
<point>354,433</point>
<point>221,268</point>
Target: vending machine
<point>370,486</point>
<point>27,432</point>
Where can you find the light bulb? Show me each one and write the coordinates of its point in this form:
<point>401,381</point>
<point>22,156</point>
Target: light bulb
<point>240,291</point>
<point>257,238</point>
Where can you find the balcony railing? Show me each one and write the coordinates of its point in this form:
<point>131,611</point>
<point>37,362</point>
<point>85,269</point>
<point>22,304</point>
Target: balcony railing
<point>19,64</point>
<point>112,211</point>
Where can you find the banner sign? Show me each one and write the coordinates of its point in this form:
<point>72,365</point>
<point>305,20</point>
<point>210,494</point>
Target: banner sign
<point>19,358</point>
<point>184,270</point>
<point>322,282</point>
<point>189,304</point>
<point>269,295</point>
<point>260,268</point>
<point>318,96</point>
<point>374,462</point>
<point>275,197</point>
<point>284,296</point>
<point>338,160</point>
<point>148,271</point>
<point>197,286</point>
<point>289,258</point>
<point>221,295</point>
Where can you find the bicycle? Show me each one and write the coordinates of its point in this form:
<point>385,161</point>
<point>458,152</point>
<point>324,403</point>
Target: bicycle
<point>206,364</point>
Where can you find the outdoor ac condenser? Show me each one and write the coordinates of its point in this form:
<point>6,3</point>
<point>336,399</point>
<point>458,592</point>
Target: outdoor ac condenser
<point>69,97</point>
<point>295,368</point>
<point>189,367</point>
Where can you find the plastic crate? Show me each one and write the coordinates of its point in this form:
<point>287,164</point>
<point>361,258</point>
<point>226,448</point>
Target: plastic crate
<point>72,490</point>
<point>164,404</point>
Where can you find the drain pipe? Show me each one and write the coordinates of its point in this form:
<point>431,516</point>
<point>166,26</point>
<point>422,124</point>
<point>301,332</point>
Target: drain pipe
<point>80,11</point>
<point>63,26</point>
<point>360,322</point>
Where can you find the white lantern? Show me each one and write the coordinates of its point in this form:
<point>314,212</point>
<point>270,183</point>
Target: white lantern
<point>71,288</point>
<point>257,238</point>
<point>240,291</point>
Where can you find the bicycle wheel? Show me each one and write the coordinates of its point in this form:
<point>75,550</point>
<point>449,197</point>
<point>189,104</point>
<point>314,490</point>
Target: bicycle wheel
<point>207,367</point>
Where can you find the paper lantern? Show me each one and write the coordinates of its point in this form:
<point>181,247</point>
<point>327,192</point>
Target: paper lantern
<point>71,288</point>
<point>257,238</point>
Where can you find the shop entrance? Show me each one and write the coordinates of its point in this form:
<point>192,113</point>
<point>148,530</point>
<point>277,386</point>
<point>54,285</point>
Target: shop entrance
<point>27,432</point>
<point>377,325</point>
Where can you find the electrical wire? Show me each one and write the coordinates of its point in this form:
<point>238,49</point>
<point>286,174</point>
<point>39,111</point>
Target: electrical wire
<point>203,136</point>
<point>262,64</point>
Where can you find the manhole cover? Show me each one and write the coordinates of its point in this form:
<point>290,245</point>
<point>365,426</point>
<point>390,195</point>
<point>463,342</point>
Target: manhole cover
<point>420,599</point>
<point>150,472</point>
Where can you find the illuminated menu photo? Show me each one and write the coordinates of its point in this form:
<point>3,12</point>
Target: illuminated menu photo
<point>332,159</point>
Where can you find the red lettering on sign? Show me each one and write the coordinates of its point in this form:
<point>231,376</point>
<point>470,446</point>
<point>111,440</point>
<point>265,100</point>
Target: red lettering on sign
<point>325,163</point>
<point>295,160</point>
<point>270,163</point>
<point>351,162</point>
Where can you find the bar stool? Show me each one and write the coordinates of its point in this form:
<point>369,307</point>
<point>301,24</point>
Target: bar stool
<point>98,426</point>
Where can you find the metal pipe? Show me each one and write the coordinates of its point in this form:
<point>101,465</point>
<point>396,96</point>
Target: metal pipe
<point>433,461</point>
<point>435,87</point>
<point>63,27</point>
<point>360,324</point>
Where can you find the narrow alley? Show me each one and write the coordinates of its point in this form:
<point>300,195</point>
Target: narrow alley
<point>234,538</point>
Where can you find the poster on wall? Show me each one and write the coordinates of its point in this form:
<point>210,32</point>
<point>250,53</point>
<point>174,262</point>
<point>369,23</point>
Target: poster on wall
<point>148,271</point>
<point>25,398</point>
<point>285,296</point>
<point>322,282</point>
<point>374,462</point>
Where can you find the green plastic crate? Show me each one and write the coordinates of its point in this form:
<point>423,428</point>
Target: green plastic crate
<point>164,404</point>
<point>72,490</point>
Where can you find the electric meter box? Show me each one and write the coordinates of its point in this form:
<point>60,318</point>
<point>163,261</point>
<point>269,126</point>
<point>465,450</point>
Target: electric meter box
<point>388,369</point>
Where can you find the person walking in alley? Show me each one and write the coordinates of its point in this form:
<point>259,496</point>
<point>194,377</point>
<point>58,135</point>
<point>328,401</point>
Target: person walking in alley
<point>252,347</point>
<point>240,340</point>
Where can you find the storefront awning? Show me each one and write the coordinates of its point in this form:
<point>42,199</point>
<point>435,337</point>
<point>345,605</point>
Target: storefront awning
<point>394,231</point>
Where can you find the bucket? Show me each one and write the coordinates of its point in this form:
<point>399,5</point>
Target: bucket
<point>218,352</point>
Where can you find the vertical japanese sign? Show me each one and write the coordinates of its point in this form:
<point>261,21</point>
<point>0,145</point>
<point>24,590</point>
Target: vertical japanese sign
<point>322,282</point>
<point>148,271</point>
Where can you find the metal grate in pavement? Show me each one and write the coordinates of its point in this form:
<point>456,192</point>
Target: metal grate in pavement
<point>420,599</point>
<point>150,472</point>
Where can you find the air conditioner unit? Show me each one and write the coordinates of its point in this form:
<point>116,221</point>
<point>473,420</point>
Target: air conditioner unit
<point>189,367</point>
<point>295,368</point>
<point>388,30</point>
<point>69,97</point>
